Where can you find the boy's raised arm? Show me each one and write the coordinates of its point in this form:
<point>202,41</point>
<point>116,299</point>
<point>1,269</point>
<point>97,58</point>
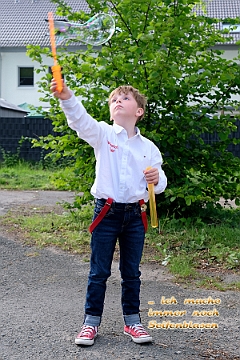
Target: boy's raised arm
<point>78,119</point>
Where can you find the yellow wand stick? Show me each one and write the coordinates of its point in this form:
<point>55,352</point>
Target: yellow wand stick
<point>152,204</point>
<point>56,69</point>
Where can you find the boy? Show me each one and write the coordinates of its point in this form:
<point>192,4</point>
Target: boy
<point>122,155</point>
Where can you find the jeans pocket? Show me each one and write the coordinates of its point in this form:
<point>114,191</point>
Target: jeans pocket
<point>137,211</point>
<point>98,208</point>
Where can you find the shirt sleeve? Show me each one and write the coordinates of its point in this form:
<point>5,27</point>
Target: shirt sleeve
<point>157,162</point>
<point>79,120</point>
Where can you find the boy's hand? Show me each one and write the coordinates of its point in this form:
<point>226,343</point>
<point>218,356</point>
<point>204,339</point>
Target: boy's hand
<point>65,94</point>
<point>151,176</point>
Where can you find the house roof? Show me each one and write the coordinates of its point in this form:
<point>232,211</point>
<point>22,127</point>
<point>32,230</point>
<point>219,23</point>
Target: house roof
<point>28,108</point>
<point>22,22</point>
<point>223,9</point>
<point>6,105</point>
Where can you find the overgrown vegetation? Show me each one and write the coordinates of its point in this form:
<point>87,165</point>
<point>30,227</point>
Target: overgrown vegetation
<point>168,50</point>
<point>64,230</point>
<point>194,244</point>
<point>15,173</point>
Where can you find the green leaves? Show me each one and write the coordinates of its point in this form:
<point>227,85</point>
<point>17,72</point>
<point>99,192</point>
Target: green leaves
<point>166,51</point>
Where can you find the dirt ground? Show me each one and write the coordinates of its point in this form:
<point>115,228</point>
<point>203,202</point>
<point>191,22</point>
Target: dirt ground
<point>42,294</point>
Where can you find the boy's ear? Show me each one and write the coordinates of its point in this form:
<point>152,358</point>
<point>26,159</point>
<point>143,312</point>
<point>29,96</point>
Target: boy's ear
<point>139,112</point>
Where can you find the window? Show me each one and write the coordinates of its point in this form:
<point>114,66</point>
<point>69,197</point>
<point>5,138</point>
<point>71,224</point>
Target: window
<point>233,28</point>
<point>25,76</point>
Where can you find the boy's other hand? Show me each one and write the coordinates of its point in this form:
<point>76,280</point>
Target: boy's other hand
<point>65,94</point>
<point>151,176</point>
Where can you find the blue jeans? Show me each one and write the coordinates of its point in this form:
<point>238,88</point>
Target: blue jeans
<point>122,222</point>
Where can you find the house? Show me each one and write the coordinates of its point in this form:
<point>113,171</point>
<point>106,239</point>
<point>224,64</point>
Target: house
<point>22,22</point>
<point>225,9</point>
<point>8,110</point>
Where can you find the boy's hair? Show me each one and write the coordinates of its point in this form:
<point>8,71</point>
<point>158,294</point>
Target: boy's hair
<point>126,89</point>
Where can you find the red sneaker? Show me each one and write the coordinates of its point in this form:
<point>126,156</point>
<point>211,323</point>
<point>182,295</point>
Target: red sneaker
<point>87,335</point>
<point>138,333</point>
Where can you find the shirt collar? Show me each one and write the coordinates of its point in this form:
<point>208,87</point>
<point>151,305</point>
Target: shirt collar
<point>118,128</point>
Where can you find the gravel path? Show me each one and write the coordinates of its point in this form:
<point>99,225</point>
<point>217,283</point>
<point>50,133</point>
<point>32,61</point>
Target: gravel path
<point>42,295</point>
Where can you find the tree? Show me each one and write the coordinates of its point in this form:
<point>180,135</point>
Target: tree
<point>167,50</point>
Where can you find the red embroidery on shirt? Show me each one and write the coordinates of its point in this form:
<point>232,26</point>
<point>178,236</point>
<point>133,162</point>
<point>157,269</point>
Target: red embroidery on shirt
<point>112,147</point>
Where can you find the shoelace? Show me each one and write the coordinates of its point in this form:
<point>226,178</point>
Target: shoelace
<point>139,330</point>
<point>87,330</point>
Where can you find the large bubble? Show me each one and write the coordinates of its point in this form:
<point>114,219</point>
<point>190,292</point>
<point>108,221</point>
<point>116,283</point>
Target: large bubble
<point>96,31</point>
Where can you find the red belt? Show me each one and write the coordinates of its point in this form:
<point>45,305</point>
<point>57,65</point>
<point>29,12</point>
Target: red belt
<point>106,208</point>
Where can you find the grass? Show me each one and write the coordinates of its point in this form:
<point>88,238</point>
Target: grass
<point>37,226</point>
<point>216,241</point>
<point>195,252</point>
<point>217,283</point>
<point>25,176</point>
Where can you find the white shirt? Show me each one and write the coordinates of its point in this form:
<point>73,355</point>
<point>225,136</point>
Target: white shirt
<point>120,161</point>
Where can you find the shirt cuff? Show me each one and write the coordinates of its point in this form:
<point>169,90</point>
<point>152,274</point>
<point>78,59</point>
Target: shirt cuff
<point>70,102</point>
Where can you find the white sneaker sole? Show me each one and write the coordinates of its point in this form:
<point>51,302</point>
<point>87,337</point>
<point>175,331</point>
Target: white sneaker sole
<point>85,341</point>
<point>140,340</point>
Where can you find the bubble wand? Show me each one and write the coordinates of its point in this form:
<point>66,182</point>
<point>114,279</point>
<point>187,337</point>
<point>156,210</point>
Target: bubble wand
<point>56,69</point>
<point>96,31</point>
<point>152,204</point>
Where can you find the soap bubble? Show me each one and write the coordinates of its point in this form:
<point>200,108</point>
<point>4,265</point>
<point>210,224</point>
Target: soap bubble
<point>96,31</point>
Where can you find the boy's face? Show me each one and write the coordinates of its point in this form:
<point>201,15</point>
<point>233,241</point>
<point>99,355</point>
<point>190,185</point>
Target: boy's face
<point>124,106</point>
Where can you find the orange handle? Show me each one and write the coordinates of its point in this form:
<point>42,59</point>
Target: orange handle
<point>152,204</point>
<point>56,69</point>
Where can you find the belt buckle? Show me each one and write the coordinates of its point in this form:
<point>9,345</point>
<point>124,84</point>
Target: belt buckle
<point>143,208</point>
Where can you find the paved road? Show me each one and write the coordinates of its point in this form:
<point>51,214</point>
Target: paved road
<point>9,199</point>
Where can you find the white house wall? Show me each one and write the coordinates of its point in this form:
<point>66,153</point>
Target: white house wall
<point>10,61</point>
<point>10,91</point>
